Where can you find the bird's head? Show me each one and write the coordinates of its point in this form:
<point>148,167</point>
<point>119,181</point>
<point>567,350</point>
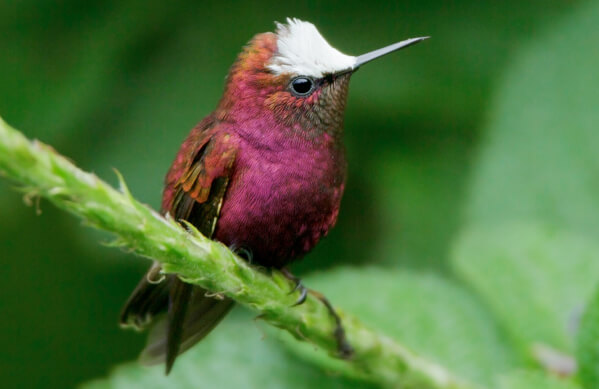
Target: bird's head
<point>295,76</point>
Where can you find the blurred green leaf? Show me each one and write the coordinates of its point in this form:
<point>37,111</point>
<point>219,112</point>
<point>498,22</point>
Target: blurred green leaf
<point>236,355</point>
<point>535,278</point>
<point>538,163</point>
<point>434,317</point>
<point>539,156</point>
<point>534,380</point>
<point>588,345</point>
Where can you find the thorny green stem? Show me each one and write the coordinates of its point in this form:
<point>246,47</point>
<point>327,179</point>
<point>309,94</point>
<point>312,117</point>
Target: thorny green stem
<point>41,171</point>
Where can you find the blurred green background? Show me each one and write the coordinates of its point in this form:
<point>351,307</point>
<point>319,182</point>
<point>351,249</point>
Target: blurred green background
<point>118,84</point>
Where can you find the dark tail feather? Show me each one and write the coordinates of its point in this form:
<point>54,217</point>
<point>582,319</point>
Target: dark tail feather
<point>180,315</point>
<point>148,299</point>
<point>179,296</point>
<point>203,314</point>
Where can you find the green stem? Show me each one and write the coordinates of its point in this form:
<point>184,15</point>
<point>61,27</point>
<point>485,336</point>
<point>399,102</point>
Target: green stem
<point>43,172</point>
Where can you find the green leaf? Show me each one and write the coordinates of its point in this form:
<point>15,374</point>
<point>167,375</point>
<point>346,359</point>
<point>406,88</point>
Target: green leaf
<point>537,170</point>
<point>534,380</point>
<point>535,278</point>
<point>236,355</point>
<point>434,317</point>
<point>588,345</point>
<point>539,156</point>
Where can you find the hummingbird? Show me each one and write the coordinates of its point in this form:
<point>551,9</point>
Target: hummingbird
<point>264,174</point>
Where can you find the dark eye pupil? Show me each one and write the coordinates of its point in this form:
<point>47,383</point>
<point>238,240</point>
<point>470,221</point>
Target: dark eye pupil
<point>301,86</point>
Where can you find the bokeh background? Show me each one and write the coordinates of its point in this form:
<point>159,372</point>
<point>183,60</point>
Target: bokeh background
<point>118,84</point>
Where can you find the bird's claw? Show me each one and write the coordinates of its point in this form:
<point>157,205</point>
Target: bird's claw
<point>298,286</point>
<point>344,349</point>
<point>303,294</point>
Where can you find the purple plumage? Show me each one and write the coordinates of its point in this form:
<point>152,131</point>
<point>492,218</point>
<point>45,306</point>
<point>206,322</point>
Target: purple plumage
<point>287,177</point>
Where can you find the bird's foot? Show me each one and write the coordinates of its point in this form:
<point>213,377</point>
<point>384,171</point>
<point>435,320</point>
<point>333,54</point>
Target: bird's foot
<point>298,286</point>
<point>344,349</point>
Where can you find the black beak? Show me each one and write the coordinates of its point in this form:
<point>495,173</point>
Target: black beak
<point>365,58</point>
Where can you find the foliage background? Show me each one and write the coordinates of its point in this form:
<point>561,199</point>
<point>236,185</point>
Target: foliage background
<point>489,123</point>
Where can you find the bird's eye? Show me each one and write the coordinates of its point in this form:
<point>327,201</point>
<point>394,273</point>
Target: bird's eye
<point>302,86</point>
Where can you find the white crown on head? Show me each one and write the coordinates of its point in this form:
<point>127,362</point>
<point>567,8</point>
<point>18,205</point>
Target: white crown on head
<point>301,50</point>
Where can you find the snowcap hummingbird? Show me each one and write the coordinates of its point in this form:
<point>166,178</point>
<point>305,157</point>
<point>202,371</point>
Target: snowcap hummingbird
<point>264,174</point>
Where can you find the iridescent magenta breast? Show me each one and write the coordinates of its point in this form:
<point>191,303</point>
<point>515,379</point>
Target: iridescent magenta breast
<point>282,200</point>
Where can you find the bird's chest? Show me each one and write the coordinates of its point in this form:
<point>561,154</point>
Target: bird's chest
<point>280,203</point>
